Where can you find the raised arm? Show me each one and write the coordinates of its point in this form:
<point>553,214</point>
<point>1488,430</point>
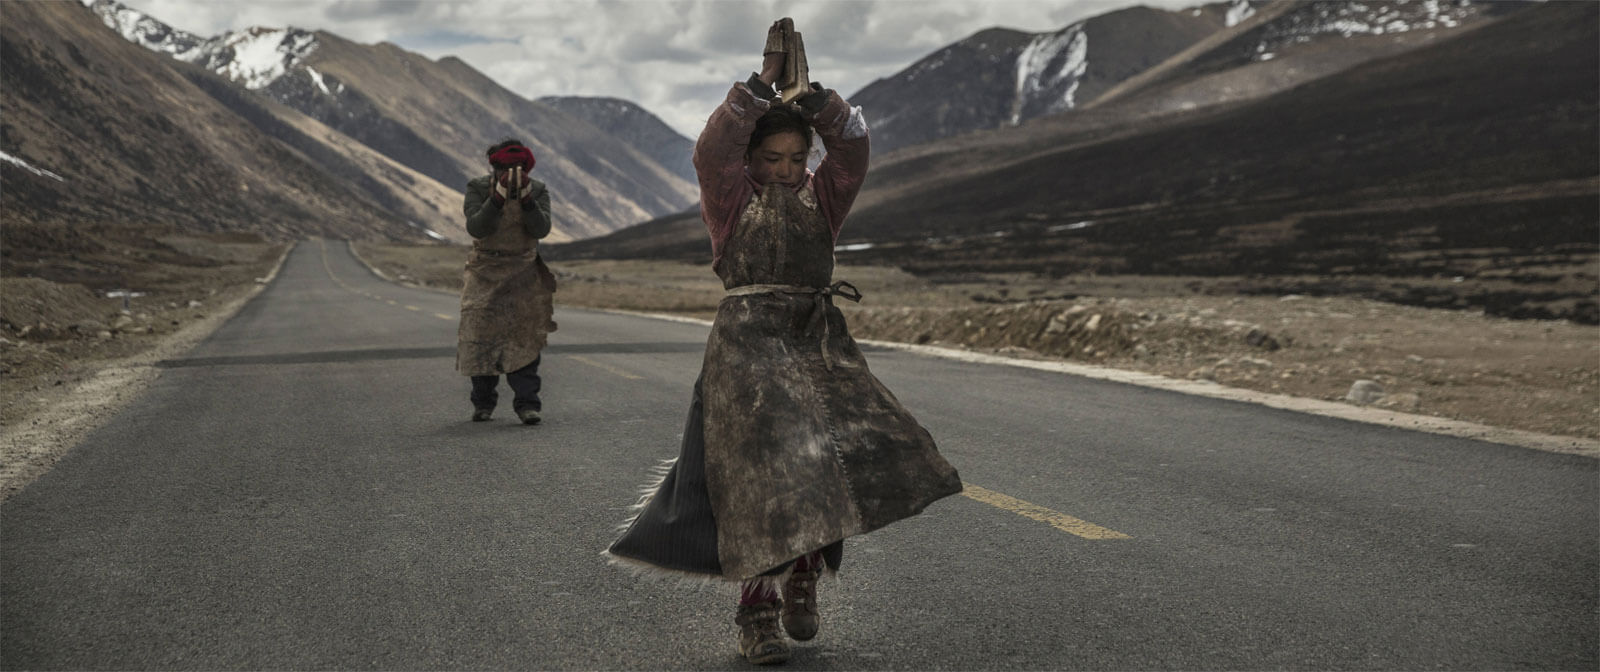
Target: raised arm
<point>536,219</point>
<point>483,214</point>
<point>844,167</point>
<point>483,209</point>
<point>719,160</point>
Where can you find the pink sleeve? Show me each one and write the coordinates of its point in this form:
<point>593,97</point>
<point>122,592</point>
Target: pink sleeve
<point>838,178</point>
<point>719,163</point>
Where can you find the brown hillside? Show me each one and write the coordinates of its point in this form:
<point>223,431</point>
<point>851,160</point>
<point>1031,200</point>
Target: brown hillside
<point>437,117</point>
<point>1472,158</point>
<point>1461,174</point>
<point>139,148</point>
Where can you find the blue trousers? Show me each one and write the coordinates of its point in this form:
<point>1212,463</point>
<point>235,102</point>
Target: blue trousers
<point>524,384</point>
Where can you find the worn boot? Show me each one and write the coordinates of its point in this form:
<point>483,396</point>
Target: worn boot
<point>800,604</point>
<point>482,414</point>
<point>760,641</point>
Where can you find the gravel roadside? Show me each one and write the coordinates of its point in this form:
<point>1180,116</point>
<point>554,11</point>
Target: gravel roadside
<point>1525,382</point>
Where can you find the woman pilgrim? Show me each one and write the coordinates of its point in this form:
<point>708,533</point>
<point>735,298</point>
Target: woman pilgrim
<point>791,444</point>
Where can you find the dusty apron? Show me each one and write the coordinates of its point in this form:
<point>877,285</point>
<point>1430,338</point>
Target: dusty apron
<point>505,300</point>
<point>791,444</point>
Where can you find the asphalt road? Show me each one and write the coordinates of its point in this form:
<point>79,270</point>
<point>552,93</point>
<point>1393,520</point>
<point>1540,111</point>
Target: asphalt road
<point>304,491</point>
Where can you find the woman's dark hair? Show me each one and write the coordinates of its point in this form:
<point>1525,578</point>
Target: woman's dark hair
<point>779,119</point>
<point>504,143</point>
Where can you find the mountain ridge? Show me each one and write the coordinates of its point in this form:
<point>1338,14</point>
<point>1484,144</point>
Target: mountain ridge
<point>1473,155</point>
<point>1000,77</point>
<point>432,117</point>
<point>138,150</point>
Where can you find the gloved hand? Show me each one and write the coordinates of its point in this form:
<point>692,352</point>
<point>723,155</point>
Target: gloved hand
<point>524,189</point>
<point>506,183</point>
<point>812,103</point>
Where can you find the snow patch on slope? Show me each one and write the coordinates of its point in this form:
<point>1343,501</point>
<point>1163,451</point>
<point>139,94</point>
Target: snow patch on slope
<point>316,78</point>
<point>1313,20</point>
<point>259,56</point>
<point>1239,11</point>
<point>1367,18</point>
<point>25,166</point>
<point>1048,61</point>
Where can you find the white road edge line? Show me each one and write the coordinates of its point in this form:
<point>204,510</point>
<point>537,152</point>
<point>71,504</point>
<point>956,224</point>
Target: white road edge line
<point>1569,445</point>
<point>28,451</point>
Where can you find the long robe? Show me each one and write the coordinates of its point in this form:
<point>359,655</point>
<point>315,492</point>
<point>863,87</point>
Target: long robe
<point>506,291</point>
<point>791,444</point>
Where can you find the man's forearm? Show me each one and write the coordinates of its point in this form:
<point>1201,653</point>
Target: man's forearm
<point>485,221</point>
<point>536,220</point>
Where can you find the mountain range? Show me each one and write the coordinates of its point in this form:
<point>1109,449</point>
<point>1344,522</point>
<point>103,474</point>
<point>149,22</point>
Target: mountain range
<point>111,146</point>
<point>1270,137</point>
<point>1463,141</point>
<point>1133,71</point>
<point>1502,116</point>
<point>1195,57</point>
<point>402,131</point>
<point>1001,77</point>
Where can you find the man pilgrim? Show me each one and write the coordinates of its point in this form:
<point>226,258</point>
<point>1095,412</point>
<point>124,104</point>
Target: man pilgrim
<point>506,294</point>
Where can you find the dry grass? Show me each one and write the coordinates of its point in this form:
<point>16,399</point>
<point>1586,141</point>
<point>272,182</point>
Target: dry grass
<point>56,334</point>
<point>1541,376</point>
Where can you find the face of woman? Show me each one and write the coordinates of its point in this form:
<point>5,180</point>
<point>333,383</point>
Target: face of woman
<point>780,158</point>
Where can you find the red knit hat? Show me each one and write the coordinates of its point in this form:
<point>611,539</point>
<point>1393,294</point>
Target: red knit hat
<point>513,155</point>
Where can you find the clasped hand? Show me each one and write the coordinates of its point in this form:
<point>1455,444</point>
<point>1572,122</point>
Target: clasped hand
<point>512,183</point>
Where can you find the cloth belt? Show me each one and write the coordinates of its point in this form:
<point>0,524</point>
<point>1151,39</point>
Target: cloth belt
<point>819,310</point>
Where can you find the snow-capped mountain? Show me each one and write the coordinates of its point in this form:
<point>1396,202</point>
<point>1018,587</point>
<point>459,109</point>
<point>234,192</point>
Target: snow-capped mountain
<point>1276,45</point>
<point>1000,77</point>
<point>1049,71</point>
<point>144,30</point>
<point>1313,20</point>
<point>1457,151</point>
<point>432,117</point>
<point>255,58</point>
<point>107,135</point>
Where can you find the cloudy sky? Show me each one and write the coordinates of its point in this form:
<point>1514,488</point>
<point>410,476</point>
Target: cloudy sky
<point>676,58</point>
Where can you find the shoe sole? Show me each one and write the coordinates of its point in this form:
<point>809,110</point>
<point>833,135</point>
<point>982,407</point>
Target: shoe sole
<point>769,659</point>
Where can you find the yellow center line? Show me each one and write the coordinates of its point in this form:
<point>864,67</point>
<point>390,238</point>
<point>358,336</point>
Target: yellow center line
<point>607,367</point>
<point>323,246</point>
<point>329,268</point>
<point>1056,519</point>
<point>1060,521</point>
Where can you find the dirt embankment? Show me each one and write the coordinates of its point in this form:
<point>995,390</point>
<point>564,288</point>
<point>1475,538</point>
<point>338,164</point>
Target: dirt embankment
<point>1534,375</point>
<point>81,331</point>
<point>55,334</point>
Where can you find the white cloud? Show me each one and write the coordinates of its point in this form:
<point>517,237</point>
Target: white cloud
<point>675,58</point>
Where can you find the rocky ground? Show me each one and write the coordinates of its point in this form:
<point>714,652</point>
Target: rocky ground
<point>55,335</point>
<point>1541,376</point>
<point>1535,375</point>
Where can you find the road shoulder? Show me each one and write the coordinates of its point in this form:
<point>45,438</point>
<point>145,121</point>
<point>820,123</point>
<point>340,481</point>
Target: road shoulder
<point>31,447</point>
<point>1376,416</point>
